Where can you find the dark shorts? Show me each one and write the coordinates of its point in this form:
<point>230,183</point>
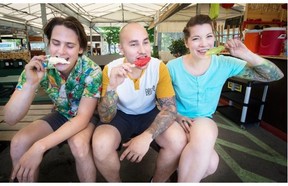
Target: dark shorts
<point>132,125</point>
<point>56,120</point>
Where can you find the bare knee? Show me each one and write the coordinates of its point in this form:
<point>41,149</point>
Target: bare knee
<point>80,148</point>
<point>19,144</point>
<point>104,142</point>
<point>213,164</point>
<point>203,134</point>
<point>173,139</point>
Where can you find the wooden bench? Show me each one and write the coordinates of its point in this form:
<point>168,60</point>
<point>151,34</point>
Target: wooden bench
<point>7,132</point>
<point>36,111</point>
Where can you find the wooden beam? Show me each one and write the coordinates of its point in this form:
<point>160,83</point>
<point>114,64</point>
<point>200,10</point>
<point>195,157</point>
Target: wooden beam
<point>171,11</point>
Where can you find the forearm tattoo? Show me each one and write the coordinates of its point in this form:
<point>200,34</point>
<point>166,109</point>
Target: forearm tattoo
<point>107,107</point>
<point>265,72</point>
<point>165,118</point>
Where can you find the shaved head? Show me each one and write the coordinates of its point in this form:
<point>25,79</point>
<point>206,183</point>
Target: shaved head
<point>134,27</point>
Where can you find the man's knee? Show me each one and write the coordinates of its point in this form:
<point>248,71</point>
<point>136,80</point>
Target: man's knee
<point>173,138</point>
<point>18,143</point>
<point>79,147</point>
<point>103,145</point>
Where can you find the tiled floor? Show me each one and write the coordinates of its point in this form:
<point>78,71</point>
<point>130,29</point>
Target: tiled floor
<point>251,155</point>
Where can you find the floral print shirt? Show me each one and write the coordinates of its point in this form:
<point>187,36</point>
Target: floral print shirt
<point>85,80</point>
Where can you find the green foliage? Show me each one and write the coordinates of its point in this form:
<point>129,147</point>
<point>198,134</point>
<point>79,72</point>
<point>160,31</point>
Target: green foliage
<point>150,34</point>
<point>178,48</point>
<point>155,52</point>
<point>111,35</point>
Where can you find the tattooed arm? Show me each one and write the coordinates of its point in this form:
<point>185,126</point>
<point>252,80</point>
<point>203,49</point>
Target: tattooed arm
<point>165,118</point>
<point>257,68</point>
<point>107,107</point>
<point>138,146</point>
<point>265,72</point>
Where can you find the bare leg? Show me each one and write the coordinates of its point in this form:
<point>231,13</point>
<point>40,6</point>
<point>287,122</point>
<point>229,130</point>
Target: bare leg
<point>80,145</point>
<point>199,155</point>
<point>26,137</point>
<point>106,140</point>
<point>172,142</point>
<point>214,161</point>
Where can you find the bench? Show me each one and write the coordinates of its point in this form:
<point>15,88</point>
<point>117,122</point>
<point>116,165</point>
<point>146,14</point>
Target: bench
<point>36,111</point>
<point>7,132</point>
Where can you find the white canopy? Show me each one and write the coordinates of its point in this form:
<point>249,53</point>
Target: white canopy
<point>19,17</point>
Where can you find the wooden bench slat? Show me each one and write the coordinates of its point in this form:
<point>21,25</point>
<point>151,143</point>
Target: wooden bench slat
<point>38,112</point>
<point>26,118</point>
<point>32,112</point>
<point>35,111</point>
<point>7,135</point>
<point>33,107</point>
<point>18,126</point>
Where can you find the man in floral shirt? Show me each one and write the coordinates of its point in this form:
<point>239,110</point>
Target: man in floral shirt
<point>74,88</point>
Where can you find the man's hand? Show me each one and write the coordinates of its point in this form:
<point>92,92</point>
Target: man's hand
<point>118,74</point>
<point>35,70</point>
<point>26,169</point>
<point>137,147</point>
<point>185,122</point>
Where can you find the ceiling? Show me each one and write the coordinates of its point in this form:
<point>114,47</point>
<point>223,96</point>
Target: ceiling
<point>20,17</point>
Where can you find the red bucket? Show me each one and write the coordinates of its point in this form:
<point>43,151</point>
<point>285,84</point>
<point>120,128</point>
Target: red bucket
<point>252,40</point>
<point>271,42</point>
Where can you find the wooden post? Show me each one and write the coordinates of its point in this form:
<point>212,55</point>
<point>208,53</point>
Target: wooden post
<point>222,34</point>
<point>228,30</point>
<point>218,40</point>
<point>233,31</point>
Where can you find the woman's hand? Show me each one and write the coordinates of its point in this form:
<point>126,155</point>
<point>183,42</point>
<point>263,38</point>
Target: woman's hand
<point>237,48</point>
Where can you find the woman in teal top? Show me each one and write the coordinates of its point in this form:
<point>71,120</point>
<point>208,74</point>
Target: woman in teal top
<point>74,89</point>
<point>198,79</point>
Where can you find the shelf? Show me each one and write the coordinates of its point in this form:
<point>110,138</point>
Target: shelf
<point>234,114</point>
<point>239,98</point>
<point>245,82</point>
<point>279,23</point>
<point>244,105</point>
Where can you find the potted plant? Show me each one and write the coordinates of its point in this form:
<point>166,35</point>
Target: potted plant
<point>178,48</point>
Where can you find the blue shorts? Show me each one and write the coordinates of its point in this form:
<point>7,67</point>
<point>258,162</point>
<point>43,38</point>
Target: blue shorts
<point>132,125</point>
<point>56,120</point>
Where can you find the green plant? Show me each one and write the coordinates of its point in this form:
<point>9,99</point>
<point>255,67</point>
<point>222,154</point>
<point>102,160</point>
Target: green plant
<point>155,52</point>
<point>178,48</point>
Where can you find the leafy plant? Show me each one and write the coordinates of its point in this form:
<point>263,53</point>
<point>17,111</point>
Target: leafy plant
<point>111,35</point>
<point>178,48</point>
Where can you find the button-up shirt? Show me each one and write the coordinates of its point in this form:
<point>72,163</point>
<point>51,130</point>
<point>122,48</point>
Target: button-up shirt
<point>85,80</point>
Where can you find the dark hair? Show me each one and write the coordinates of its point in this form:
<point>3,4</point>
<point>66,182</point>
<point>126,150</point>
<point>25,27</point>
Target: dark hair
<point>71,23</point>
<point>196,20</point>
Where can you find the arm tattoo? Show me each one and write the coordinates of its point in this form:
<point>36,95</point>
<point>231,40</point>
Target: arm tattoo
<point>165,118</point>
<point>107,107</point>
<point>265,72</point>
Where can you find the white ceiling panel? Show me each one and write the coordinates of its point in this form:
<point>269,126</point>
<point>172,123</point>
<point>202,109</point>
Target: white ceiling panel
<point>29,15</point>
